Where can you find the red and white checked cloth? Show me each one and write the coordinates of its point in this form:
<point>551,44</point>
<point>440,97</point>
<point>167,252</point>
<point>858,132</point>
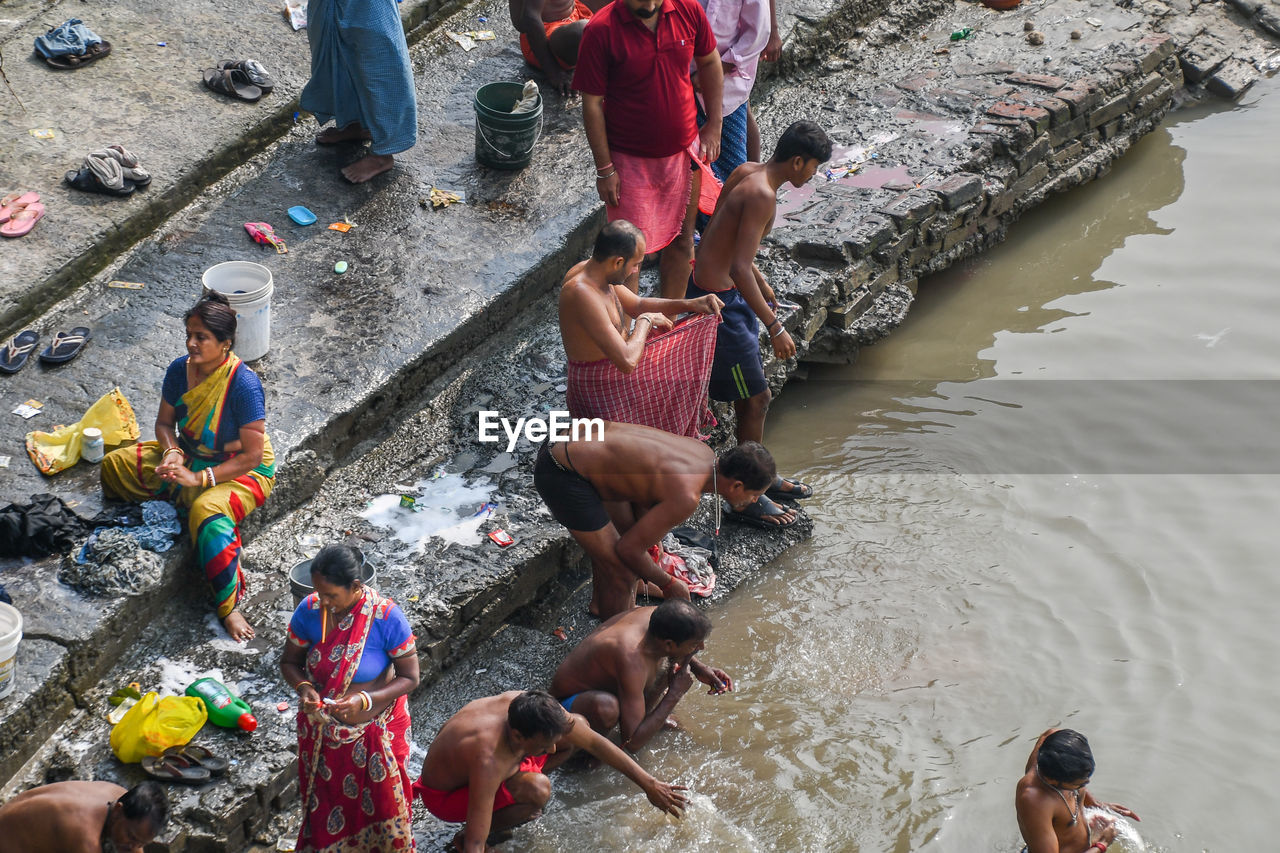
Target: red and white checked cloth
<point>667,390</point>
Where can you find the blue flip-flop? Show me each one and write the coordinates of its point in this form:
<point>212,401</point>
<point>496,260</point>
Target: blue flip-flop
<point>65,346</point>
<point>17,350</point>
<point>301,215</point>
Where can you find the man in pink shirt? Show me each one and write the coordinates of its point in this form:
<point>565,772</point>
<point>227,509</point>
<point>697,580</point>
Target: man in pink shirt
<point>641,120</point>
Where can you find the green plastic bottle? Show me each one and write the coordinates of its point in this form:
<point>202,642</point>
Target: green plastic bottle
<point>226,709</point>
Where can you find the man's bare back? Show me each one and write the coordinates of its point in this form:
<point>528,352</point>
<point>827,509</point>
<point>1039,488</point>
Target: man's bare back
<point>551,11</point>
<point>601,659</point>
<point>644,466</point>
<point>65,817</point>
<point>744,216</point>
<point>473,739</point>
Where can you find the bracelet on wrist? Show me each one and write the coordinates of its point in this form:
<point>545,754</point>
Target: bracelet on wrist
<point>1101,845</point>
<point>604,177</point>
<point>670,580</point>
<point>606,167</point>
<point>297,688</point>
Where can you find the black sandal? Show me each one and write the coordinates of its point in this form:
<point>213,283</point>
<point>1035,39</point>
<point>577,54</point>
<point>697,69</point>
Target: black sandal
<point>254,70</point>
<point>232,81</point>
<point>90,180</point>
<point>65,346</point>
<point>67,61</point>
<point>174,768</point>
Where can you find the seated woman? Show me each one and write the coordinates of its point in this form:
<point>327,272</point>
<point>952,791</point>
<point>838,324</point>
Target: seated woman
<point>352,659</point>
<point>211,454</point>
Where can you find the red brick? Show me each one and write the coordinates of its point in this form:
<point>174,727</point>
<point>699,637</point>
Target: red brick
<point>1040,81</point>
<point>1037,116</point>
<point>1154,49</point>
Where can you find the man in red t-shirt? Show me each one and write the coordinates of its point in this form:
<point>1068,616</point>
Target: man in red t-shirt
<point>641,119</point>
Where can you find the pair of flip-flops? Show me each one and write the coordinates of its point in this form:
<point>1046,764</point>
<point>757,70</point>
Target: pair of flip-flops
<point>65,346</point>
<point>19,213</point>
<point>68,61</point>
<point>243,79</point>
<point>188,765</point>
<point>113,170</point>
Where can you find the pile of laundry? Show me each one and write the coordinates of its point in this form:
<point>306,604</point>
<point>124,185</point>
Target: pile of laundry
<point>113,170</point>
<point>120,556</point>
<point>70,45</point>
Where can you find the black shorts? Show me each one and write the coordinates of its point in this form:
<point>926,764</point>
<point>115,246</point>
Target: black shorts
<point>573,501</point>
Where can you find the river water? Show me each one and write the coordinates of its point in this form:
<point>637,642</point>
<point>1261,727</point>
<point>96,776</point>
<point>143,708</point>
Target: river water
<point>1049,499</point>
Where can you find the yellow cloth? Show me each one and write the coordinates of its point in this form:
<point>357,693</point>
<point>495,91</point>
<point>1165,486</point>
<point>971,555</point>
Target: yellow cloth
<point>54,452</point>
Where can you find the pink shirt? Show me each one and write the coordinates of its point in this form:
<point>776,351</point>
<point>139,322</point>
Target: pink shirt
<point>741,29</point>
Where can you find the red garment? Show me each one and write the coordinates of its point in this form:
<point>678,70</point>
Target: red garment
<point>653,193</point>
<point>666,391</point>
<point>354,787</point>
<point>643,76</point>
<point>581,11</point>
<point>452,805</point>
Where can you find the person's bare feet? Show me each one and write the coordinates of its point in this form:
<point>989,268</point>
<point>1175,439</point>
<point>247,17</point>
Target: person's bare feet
<point>368,167</point>
<point>238,627</point>
<point>351,133</point>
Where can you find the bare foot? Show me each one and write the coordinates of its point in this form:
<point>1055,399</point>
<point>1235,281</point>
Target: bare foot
<point>351,133</point>
<point>238,627</point>
<point>368,167</point>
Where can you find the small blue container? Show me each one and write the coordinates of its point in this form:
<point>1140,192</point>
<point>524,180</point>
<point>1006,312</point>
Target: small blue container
<point>301,215</point>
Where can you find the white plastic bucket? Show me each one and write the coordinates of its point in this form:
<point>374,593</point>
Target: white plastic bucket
<point>248,287</point>
<point>10,635</point>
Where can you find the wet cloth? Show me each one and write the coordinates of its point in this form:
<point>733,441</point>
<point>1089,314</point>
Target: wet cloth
<point>355,789</point>
<point>54,452</point>
<point>214,514</point>
<point>360,71</point>
<point>155,527</point>
<point>452,805</point>
<point>70,38</point>
<point>581,12</point>
<point>113,564</point>
<point>653,193</point>
<point>42,527</point>
<point>573,501</point>
<point>666,391</point>
<point>737,371</point>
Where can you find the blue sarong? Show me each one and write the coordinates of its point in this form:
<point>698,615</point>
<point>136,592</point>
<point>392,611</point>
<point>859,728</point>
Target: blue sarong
<point>360,71</point>
<point>733,142</point>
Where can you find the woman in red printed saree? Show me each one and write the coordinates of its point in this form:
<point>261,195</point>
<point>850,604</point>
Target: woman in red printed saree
<point>353,661</point>
<point>211,454</point>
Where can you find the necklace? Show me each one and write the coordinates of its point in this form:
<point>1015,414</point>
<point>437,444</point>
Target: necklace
<point>1078,793</point>
<point>715,541</point>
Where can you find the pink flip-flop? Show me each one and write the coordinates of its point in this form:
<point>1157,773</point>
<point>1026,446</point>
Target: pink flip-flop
<point>22,220</point>
<point>11,204</point>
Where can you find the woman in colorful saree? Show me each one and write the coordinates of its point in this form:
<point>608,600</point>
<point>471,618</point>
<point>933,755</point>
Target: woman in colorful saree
<point>211,453</point>
<point>352,659</point>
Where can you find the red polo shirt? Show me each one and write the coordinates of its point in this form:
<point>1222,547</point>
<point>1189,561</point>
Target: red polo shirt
<point>643,76</point>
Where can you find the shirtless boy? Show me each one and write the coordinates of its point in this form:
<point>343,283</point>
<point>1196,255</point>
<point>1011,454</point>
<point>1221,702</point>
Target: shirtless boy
<point>592,305</point>
<point>486,766</point>
<point>1051,798</point>
<point>726,267</point>
<point>633,669</point>
<point>83,817</point>
<point>550,31</point>
<point>662,476</point>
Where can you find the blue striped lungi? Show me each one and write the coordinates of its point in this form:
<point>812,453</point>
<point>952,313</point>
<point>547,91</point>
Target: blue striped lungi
<point>360,71</point>
<point>733,142</point>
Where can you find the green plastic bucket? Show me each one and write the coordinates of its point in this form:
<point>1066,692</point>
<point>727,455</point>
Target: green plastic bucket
<point>503,140</point>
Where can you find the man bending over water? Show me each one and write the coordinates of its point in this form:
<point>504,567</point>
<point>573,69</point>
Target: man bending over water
<point>486,766</point>
<point>633,669</point>
<point>83,817</point>
<point>653,481</point>
<point>1051,798</point>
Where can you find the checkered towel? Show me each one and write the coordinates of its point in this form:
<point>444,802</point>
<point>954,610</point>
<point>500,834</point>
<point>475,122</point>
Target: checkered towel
<point>667,390</point>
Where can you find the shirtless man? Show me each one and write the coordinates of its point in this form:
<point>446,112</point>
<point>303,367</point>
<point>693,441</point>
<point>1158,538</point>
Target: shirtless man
<point>633,669</point>
<point>1051,798</point>
<point>726,267</point>
<point>83,817</point>
<point>550,31</point>
<point>594,299</point>
<point>486,766</point>
<point>664,475</point>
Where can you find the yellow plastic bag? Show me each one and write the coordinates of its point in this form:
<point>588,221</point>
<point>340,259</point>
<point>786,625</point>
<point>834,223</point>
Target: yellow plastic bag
<point>154,724</point>
<point>54,452</point>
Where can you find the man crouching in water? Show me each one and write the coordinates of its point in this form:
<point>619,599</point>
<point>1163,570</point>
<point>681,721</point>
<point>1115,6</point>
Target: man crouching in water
<point>486,766</point>
<point>1051,798</point>
<point>83,817</point>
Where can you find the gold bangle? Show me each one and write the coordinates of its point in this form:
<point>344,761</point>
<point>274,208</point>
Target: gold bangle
<point>297,687</point>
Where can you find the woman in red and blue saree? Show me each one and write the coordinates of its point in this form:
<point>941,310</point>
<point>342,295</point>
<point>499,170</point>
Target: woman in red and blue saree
<point>352,659</point>
<point>211,454</point>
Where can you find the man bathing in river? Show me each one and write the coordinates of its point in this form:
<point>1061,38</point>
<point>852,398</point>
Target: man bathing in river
<point>486,766</point>
<point>726,267</point>
<point>655,481</point>
<point>1051,798</point>
<point>633,669</point>
<point>83,817</point>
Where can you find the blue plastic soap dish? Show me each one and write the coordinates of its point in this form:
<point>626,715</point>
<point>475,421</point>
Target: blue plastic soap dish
<point>301,215</point>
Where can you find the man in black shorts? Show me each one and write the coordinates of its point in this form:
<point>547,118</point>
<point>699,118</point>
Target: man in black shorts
<point>652,481</point>
<point>726,267</point>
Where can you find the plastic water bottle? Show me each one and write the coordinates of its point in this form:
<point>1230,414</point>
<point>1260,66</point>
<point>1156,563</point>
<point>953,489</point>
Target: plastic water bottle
<point>92,448</point>
<point>226,709</point>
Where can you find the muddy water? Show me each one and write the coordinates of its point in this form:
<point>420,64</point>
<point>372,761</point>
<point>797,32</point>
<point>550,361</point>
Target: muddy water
<point>1049,499</point>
